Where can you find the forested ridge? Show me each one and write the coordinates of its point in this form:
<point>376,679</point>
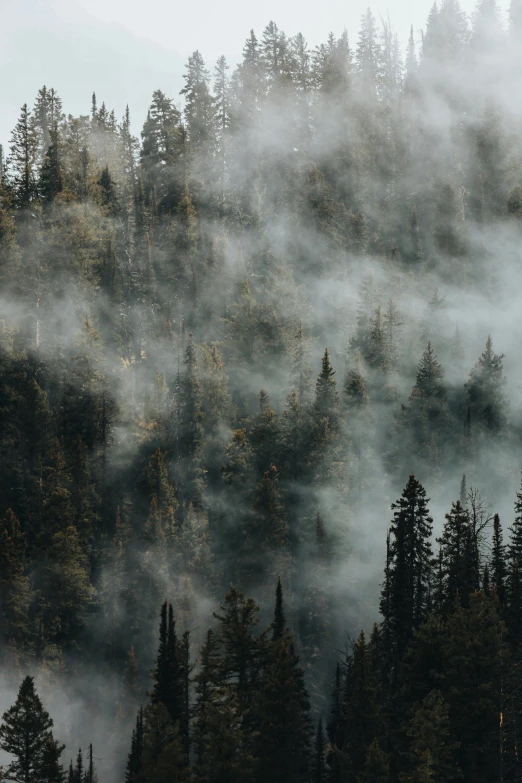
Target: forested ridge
<point>226,347</point>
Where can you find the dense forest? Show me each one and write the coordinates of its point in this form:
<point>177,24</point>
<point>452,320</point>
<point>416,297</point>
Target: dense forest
<point>226,348</point>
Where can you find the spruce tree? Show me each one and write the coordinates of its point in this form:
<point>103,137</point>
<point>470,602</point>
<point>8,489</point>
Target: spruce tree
<point>319,760</point>
<point>498,561</point>
<point>25,733</point>
<point>514,575</point>
<point>283,743</point>
<point>406,592</point>
<point>430,374</point>
<point>22,157</point>
<point>459,557</point>
<point>431,753</point>
<point>134,758</point>
<point>485,390</point>
<point>14,583</point>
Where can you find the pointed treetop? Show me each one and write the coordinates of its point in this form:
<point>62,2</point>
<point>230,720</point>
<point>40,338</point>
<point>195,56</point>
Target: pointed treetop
<point>279,623</point>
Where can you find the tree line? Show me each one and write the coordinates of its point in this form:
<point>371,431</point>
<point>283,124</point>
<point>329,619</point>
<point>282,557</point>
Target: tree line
<point>223,347</point>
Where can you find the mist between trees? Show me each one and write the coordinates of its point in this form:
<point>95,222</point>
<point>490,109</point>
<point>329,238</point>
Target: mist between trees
<point>225,346</point>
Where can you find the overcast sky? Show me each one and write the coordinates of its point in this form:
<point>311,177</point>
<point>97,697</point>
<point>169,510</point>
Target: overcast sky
<point>125,49</point>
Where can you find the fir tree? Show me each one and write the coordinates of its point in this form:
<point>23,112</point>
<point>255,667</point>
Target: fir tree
<point>405,597</point>
<point>431,755</point>
<point>498,561</point>
<point>485,390</point>
<point>25,733</point>
<point>514,574</point>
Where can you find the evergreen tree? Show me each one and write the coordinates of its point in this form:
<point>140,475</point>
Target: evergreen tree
<point>376,767</point>
<point>283,743</point>
<point>133,768</point>
<point>14,584</point>
<point>22,157</point>
<point>429,375</point>
<point>51,179</point>
<point>25,733</point>
<point>514,574</point>
<point>498,561</point>
<point>199,103</point>
<point>318,762</point>
<point>485,390</point>
<point>406,593</point>
<point>459,558</point>
<point>431,753</point>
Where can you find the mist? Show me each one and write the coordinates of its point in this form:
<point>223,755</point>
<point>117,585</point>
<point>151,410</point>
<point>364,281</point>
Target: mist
<point>228,341</point>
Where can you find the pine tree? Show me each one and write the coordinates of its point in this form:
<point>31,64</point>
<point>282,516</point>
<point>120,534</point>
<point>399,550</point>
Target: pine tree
<point>326,402</point>
<point>190,432</point>
<point>266,546</point>
<point>265,434</point>
<point>376,767</point>
<point>405,597</point>
<point>356,396</point>
<point>22,159</point>
<point>65,575</point>
<point>367,53</point>
<point>430,374</point>
<point>431,755</point>
<point>477,662</point>
<point>514,574</point>
<point>498,561</point>
<point>361,715</point>
<point>459,558</point>
<point>279,622</point>
<point>162,149</point>
<point>14,583</point>
<point>243,651</point>
<point>485,390</point>
<point>283,743</point>
<point>318,760</point>
<point>134,759</point>
<point>51,771</point>
<point>51,178</point>
<point>25,732</point>
<point>199,103</point>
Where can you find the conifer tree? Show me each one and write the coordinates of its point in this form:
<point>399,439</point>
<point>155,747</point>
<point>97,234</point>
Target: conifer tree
<point>265,434</point>
<point>430,374</point>
<point>485,390</point>
<point>376,766</point>
<point>51,771</point>
<point>266,546</point>
<point>14,583</point>
<point>199,103</point>
<point>22,157</point>
<point>498,561</point>
<point>514,574</point>
<point>283,743</point>
<point>25,733</point>
<point>190,431</point>
<point>318,761</point>
<point>405,597</point>
<point>133,767</point>
<point>361,719</point>
<point>458,557</point>
<point>51,178</point>
<point>431,755</point>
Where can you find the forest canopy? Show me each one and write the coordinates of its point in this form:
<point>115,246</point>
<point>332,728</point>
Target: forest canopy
<point>227,347</point>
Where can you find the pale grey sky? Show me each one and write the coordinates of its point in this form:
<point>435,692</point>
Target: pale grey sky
<point>125,49</point>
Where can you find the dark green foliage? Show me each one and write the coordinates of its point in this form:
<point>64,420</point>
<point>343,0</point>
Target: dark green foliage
<point>311,195</point>
<point>485,389</point>
<point>406,596</point>
<point>25,732</point>
<point>498,561</point>
<point>459,558</point>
